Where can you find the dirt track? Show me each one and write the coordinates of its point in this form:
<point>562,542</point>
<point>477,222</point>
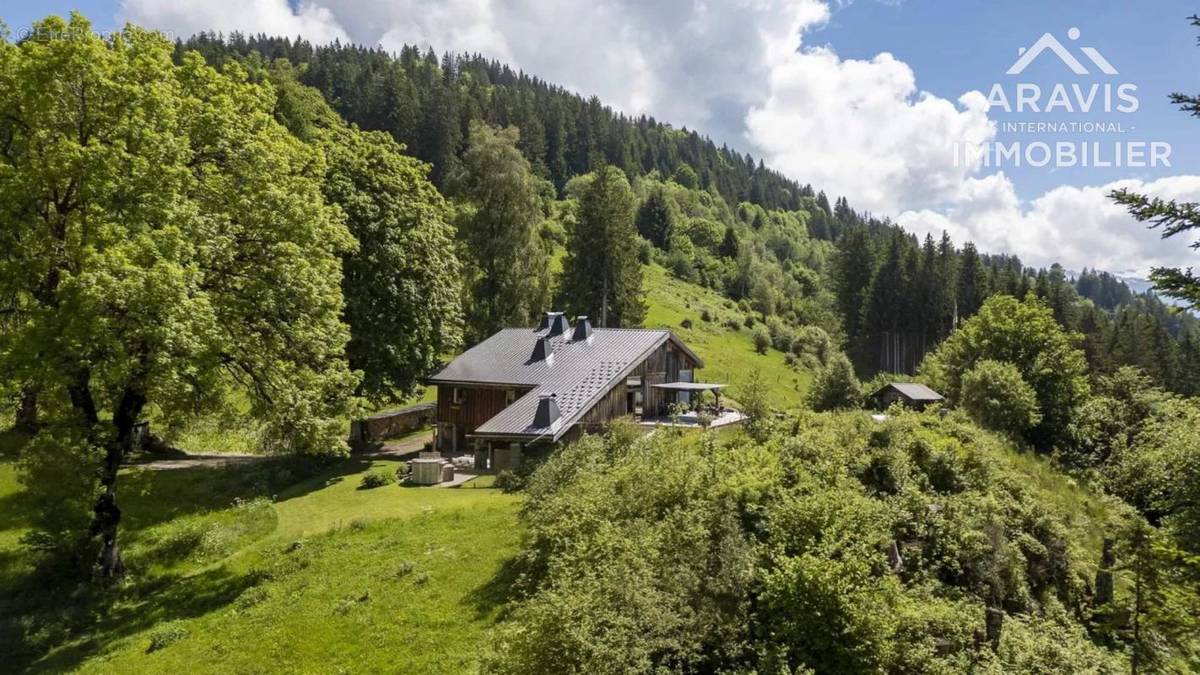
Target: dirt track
<point>403,446</point>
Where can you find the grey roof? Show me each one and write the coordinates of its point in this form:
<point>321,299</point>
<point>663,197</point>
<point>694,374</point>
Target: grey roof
<point>577,372</point>
<point>913,391</point>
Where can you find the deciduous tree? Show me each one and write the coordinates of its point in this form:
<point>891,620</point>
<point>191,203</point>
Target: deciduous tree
<point>169,240</point>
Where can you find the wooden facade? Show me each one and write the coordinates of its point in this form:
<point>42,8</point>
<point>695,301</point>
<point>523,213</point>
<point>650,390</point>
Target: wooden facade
<point>461,413</point>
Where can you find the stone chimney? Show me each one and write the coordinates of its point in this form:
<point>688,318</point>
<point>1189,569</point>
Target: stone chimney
<point>547,411</point>
<point>583,328</point>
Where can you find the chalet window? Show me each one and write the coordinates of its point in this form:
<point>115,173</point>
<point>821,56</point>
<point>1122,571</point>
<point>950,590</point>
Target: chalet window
<point>456,395</point>
<point>510,395</point>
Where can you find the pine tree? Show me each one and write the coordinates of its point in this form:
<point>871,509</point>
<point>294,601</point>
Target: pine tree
<point>656,218</point>
<point>972,282</point>
<point>507,262</point>
<point>853,264</point>
<point>602,276</point>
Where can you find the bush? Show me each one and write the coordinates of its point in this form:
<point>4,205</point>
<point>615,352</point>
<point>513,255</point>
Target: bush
<point>996,396</point>
<point>376,478</point>
<point>814,342</point>
<point>697,553</point>
<point>733,324</point>
<point>59,471</point>
<point>762,339</point>
<point>705,315</point>
<point>1025,334</point>
<point>166,635</point>
<point>835,386</point>
<point>509,481</point>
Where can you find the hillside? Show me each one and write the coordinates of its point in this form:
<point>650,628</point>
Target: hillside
<point>248,567</point>
<point>728,352</point>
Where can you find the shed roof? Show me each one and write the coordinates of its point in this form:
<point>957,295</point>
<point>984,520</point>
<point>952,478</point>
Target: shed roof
<point>912,391</point>
<point>689,386</point>
<point>577,372</point>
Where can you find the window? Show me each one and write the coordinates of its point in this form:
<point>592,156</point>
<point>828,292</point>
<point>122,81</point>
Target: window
<point>456,395</point>
<point>510,395</point>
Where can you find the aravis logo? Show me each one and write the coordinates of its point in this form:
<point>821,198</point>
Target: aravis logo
<point>1077,123</point>
<point>1048,41</point>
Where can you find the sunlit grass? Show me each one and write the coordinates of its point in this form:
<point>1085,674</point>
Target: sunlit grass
<point>256,568</point>
<point>729,355</point>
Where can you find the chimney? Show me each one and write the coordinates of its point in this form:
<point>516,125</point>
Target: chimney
<point>541,350</point>
<point>547,411</point>
<point>545,322</point>
<point>583,328</point>
<point>558,323</point>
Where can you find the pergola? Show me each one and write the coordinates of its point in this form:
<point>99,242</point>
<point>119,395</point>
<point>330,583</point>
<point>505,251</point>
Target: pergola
<point>676,387</point>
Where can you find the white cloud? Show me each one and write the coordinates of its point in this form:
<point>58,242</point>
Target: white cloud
<point>861,128</point>
<point>1077,226</point>
<point>273,17</point>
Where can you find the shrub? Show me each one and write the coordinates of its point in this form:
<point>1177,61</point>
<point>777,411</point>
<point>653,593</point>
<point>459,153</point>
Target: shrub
<point>762,339</point>
<point>705,315</point>
<point>166,635</point>
<point>691,554</point>
<point>814,342</point>
<point>835,386</point>
<point>376,478</point>
<point>59,471</point>
<point>733,324</point>
<point>686,324</point>
<point>996,396</point>
<point>509,481</point>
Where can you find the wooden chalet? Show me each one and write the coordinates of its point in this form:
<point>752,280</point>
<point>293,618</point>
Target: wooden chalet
<point>534,387</point>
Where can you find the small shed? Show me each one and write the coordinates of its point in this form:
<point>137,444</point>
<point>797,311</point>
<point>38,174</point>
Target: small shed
<point>911,394</point>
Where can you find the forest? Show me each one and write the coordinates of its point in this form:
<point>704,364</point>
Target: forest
<point>260,229</point>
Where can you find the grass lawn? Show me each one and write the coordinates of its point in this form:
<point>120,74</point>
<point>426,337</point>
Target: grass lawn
<point>247,569</point>
<point>729,355</point>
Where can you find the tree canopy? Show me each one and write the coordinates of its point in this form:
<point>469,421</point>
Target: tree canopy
<point>602,276</point>
<point>1025,335</point>
<point>165,240</point>
<point>508,278</point>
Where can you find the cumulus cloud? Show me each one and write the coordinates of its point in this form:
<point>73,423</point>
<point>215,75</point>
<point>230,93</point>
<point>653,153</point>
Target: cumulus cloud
<point>1077,226</point>
<point>273,17</point>
<point>740,70</point>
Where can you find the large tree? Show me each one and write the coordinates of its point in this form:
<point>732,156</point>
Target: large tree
<point>402,283</point>
<point>1025,335</point>
<point>602,275</point>
<point>508,278</point>
<point>167,240</point>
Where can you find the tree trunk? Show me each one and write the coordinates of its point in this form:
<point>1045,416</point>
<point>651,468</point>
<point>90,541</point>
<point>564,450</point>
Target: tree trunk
<point>1104,576</point>
<point>106,514</point>
<point>27,410</point>
<point>993,624</point>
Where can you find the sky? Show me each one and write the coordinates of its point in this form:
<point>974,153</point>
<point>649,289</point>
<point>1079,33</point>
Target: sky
<point>1004,123</point>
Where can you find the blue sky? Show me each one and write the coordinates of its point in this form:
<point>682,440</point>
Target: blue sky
<point>863,98</point>
<point>957,46</point>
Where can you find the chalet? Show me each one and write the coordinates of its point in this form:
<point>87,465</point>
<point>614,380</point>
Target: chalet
<point>526,388</point>
<point>911,394</point>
